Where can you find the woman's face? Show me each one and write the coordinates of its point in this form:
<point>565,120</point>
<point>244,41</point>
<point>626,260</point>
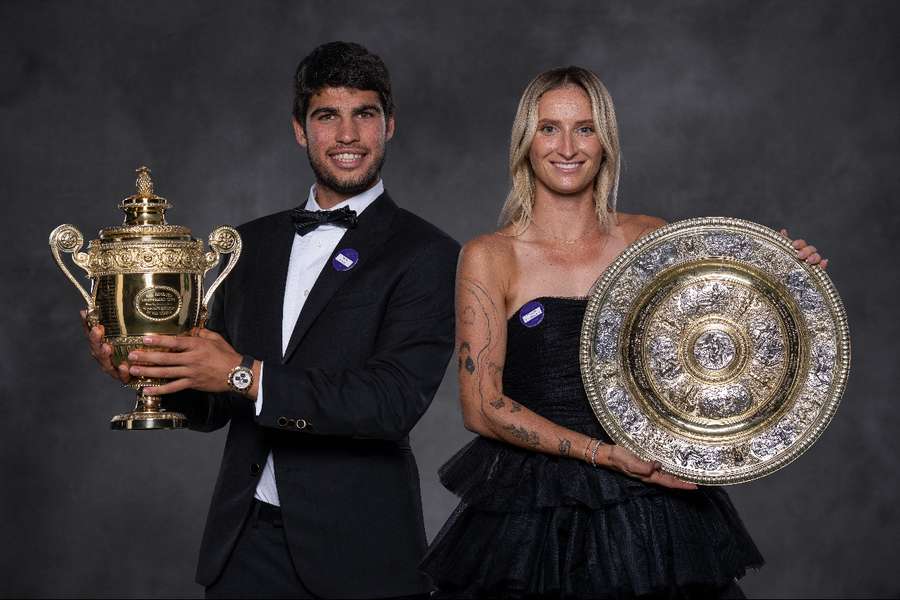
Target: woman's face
<point>565,153</point>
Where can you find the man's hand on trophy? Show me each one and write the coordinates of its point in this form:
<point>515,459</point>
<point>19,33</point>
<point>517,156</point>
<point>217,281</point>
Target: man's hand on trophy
<point>806,252</point>
<point>200,362</point>
<point>102,352</point>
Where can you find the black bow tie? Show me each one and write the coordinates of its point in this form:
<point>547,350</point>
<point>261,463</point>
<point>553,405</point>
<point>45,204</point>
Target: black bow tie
<point>307,220</point>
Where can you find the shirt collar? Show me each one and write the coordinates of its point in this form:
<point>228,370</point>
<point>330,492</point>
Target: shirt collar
<point>357,203</point>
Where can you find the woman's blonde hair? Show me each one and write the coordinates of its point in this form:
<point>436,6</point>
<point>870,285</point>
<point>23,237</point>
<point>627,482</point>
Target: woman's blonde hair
<point>518,208</point>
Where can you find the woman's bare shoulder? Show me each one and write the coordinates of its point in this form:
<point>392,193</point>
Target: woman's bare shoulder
<point>490,249</point>
<point>487,260</point>
<point>634,227</point>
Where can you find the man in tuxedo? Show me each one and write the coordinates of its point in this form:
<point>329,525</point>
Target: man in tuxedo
<point>324,347</point>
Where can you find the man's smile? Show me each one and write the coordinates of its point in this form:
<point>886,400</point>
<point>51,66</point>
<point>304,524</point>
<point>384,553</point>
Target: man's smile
<point>347,159</point>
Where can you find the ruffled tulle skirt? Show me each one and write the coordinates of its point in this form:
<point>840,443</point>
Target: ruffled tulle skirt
<point>531,525</point>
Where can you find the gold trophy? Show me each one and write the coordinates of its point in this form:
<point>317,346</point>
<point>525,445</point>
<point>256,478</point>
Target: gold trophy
<point>146,278</point>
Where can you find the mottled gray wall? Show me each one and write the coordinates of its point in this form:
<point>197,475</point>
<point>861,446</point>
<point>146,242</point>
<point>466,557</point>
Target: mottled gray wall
<point>781,112</point>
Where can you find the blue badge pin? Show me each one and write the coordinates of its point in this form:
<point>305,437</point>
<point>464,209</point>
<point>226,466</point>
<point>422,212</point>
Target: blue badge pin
<point>532,314</point>
<point>345,259</point>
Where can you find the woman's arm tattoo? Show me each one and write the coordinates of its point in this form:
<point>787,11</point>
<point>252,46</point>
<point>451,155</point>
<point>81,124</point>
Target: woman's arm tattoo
<point>465,358</point>
<point>527,437</point>
<point>478,366</point>
<point>479,310</point>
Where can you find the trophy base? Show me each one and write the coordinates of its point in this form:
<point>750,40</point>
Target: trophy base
<point>147,415</point>
<point>148,420</point>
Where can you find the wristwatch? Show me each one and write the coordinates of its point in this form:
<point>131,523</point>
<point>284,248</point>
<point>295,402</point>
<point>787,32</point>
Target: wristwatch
<point>241,377</point>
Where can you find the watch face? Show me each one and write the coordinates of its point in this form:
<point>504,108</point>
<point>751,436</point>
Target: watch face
<point>242,378</point>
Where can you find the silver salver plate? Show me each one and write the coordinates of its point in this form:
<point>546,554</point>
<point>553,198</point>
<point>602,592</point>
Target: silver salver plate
<point>709,347</point>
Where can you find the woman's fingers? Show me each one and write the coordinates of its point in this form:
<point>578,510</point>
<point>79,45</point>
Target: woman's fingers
<point>631,463</point>
<point>645,470</point>
<point>670,481</point>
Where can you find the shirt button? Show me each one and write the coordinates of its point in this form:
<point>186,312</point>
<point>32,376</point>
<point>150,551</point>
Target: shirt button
<point>306,292</point>
<point>255,469</point>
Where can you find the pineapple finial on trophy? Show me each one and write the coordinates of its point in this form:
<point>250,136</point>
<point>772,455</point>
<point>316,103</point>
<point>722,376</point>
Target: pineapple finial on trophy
<point>144,183</point>
<point>144,207</point>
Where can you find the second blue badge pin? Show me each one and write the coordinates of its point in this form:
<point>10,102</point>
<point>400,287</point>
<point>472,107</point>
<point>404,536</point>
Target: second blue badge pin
<point>531,314</point>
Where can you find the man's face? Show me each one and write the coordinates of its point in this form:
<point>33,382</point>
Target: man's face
<point>344,137</point>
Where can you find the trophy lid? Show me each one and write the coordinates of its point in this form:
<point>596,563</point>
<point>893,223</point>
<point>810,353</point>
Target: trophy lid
<point>145,213</point>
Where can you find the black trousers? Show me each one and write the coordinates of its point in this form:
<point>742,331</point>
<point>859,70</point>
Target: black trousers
<point>260,565</point>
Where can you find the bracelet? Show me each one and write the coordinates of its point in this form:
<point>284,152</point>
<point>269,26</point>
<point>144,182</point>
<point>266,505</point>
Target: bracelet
<point>587,447</point>
<point>594,454</point>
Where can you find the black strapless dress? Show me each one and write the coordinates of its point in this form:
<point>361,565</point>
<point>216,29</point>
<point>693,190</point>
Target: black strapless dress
<point>530,524</point>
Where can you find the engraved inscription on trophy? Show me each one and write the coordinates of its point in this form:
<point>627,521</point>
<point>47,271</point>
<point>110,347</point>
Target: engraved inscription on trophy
<point>146,278</point>
<point>158,302</point>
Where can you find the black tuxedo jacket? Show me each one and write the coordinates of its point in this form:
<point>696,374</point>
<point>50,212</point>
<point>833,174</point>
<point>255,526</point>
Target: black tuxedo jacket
<point>365,359</point>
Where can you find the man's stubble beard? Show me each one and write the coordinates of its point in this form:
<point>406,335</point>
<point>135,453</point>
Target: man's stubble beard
<point>347,188</point>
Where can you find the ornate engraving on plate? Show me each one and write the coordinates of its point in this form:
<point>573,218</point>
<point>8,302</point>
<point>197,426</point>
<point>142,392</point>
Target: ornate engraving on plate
<point>713,350</point>
<point>158,302</point>
<point>709,347</point>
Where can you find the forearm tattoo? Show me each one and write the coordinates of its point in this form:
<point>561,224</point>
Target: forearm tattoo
<point>477,370</point>
<point>527,437</point>
<point>465,358</point>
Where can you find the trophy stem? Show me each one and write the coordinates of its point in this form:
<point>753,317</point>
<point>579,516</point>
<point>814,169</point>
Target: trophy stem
<point>148,414</point>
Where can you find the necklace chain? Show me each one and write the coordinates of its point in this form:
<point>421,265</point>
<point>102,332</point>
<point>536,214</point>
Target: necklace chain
<point>559,239</point>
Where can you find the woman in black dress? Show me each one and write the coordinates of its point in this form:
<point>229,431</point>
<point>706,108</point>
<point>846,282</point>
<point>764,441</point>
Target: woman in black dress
<point>550,507</point>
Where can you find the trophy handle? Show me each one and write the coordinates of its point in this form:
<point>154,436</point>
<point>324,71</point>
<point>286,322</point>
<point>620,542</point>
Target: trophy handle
<point>222,240</point>
<point>67,238</point>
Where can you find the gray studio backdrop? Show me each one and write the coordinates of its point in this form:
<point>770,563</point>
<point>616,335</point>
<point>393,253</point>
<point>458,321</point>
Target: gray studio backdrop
<point>780,112</point>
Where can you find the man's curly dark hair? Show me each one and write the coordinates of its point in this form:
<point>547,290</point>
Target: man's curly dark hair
<point>340,64</point>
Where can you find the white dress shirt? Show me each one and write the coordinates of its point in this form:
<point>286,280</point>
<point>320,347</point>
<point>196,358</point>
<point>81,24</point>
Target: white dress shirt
<point>309,255</point>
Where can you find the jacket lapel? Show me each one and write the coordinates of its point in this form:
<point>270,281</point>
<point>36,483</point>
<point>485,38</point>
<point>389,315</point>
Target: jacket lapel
<point>274,260</point>
<point>365,238</point>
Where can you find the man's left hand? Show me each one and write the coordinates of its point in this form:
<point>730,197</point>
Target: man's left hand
<point>201,362</point>
<point>806,252</point>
